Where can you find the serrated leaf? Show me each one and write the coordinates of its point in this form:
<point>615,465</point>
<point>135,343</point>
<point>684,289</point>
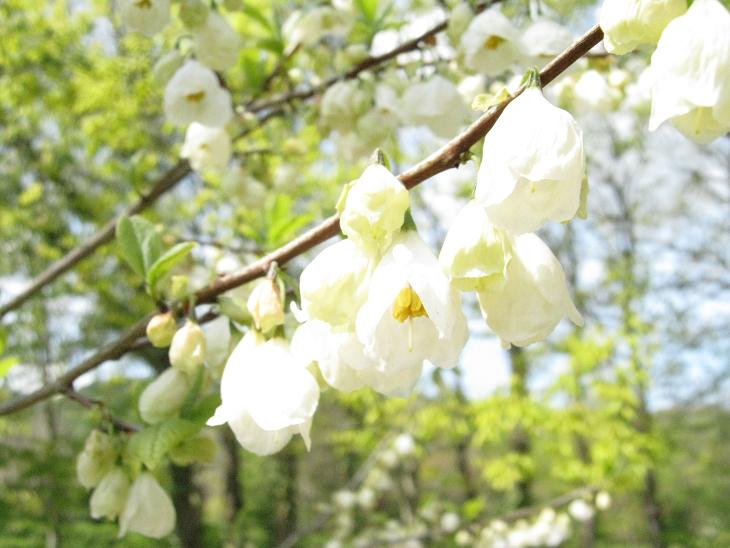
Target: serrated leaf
<point>167,261</point>
<point>153,443</point>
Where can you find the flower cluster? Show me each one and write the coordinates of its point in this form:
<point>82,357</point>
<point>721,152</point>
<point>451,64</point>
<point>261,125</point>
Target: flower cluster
<point>136,499</point>
<point>689,69</point>
<point>532,172</point>
<point>194,94</point>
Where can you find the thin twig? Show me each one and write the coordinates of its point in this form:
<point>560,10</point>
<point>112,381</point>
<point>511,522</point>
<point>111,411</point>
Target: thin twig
<point>90,403</point>
<point>447,157</point>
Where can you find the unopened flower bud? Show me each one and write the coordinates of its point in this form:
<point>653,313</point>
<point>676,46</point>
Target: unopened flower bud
<point>187,350</point>
<point>163,397</point>
<point>161,329</point>
<point>96,460</point>
<point>266,306</point>
<point>603,500</point>
<point>107,500</point>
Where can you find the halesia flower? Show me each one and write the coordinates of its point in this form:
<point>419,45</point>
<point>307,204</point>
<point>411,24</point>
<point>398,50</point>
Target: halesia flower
<point>690,72</point>
<point>437,104</point>
<point>475,253</point>
<point>343,103</point>
<point>97,458</point>
<point>194,94</point>
<point>206,147</point>
<point>145,16</point>
<point>266,305</point>
<point>109,497</point>
<point>534,296</point>
<point>544,39</point>
<point>216,42</point>
<point>163,398</point>
<point>628,24</point>
<point>459,18</point>
<point>161,329</point>
<point>187,351</point>
<point>593,92</point>
<point>149,510</point>
<point>334,285</point>
<point>412,313</point>
<point>374,208</point>
<point>491,44</point>
<point>533,165</point>
<point>307,28</point>
<point>581,510</point>
<point>267,395</point>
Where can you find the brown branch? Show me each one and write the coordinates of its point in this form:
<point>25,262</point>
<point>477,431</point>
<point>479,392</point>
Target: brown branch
<point>447,157</point>
<point>90,403</point>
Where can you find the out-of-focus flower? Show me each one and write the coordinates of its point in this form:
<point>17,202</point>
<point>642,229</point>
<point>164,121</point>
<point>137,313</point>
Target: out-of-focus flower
<point>690,72</point>
<point>163,397</point>
<point>148,510</point>
<point>437,104</point>
<point>593,92</point>
<point>581,510</point>
<point>206,147</point>
<point>343,103</point>
<point>543,40</point>
<point>491,44</point>
<point>216,42</point>
<point>194,94</point>
<point>145,16</point>
<point>97,458</point>
<point>628,24</point>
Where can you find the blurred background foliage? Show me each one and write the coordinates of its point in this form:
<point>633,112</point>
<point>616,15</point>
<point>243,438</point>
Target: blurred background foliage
<point>634,403</point>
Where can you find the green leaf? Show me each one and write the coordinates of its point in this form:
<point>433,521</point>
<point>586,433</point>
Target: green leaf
<point>167,261</point>
<point>6,364</point>
<point>204,409</point>
<point>139,243</point>
<point>153,443</point>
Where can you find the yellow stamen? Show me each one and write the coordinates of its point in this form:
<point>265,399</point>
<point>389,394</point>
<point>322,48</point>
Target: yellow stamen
<point>195,97</point>
<point>408,305</point>
<point>493,42</point>
<point>143,4</point>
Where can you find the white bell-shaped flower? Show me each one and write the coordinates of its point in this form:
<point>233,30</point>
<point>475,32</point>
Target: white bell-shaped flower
<point>216,42</point>
<point>534,296</point>
<point>148,510</point>
<point>343,103</point>
<point>628,24</point>
<point>533,165</point>
<point>267,395</point>
<point>543,40</point>
<point>96,459</point>
<point>309,27</point>
<point>374,208</point>
<point>435,103</point>
<point>593,92</point>
<point>412,313</point>
<point>187,350</point>
<point>145,16</point>
<point>475,253</point>
<point>194,94</point>
<point>690,72</point>
<point>163,397</point>
<point>206,147</point>
<point>334,285</point>
<point>581,510</point>
<point>109,497</point>
<point>491,44</point>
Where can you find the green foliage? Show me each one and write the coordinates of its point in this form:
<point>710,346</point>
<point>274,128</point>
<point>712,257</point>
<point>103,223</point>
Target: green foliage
<point>154,442</point>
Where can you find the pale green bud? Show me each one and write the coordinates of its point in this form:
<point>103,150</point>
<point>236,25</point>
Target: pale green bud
<point>107,500</point>
<point>187,350</point>
<point>161,329</point>
<point>96,459</point>
<point>163,397</point>
<point>266,305</point>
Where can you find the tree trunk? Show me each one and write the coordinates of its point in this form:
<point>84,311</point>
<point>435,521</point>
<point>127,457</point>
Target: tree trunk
<point>186,497</point>
<point>520,442</point>
<point>287,516</point>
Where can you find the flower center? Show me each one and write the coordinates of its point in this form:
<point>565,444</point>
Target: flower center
<point>408,305</point>
<point>493,42</point>
<point>145,4</point>
<point>195,97</point>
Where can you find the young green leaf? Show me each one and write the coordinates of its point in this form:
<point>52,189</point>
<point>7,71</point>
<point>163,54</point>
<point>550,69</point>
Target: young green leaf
<point>153,443</point>
<point>167,261</point>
